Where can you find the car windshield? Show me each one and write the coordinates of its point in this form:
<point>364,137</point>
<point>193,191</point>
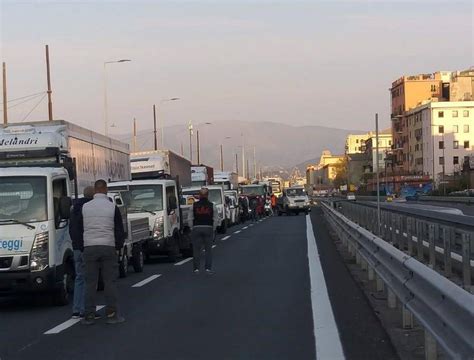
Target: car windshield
<point>252,190</point>
<point>295,192</point>
<point>215,195</point>
<point>23,198</point>
<point>143,198</point>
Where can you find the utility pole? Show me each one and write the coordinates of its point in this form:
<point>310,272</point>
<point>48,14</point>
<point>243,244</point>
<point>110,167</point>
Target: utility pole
<point>190,128</point>
<point>48,75</point>
<point>254,163</point>
<point>198,150</point>
<point>222,158</point>
<point>248,172</point>
<point>237,164</point>
<point>134,135</point>
<point>5,108</point>
<point>154,127</point>
<point>182,149</point>
<point>377,169</point>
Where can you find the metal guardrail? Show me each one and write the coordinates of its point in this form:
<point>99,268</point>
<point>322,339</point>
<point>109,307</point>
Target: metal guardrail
<point>445,310</point>
<point>437,238</point>
<point>448,199</point>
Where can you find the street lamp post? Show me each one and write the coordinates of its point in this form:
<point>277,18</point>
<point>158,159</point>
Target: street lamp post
<point>222,153</point>
<point>106,115</point>
<point>163,123</point>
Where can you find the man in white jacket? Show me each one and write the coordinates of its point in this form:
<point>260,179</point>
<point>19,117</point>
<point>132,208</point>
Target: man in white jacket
<point>103,236</point>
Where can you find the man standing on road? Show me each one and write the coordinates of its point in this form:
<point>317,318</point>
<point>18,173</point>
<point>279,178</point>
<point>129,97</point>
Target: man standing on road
<point>76,233</point>
<point>103,236</point>
<point>205,217</point>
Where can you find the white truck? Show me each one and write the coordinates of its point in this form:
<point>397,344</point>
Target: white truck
<point>154,193</point>
<point>216,196</point>
<point>202,175</point>
<point>42,164</point>
<point>229,180</point>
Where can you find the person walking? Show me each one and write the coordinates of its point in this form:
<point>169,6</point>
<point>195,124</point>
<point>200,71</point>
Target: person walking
<point>103,236</point>
<point>76,233</point>
<point>205,217</point>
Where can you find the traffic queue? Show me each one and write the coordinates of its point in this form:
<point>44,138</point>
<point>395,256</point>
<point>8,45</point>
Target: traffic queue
<point>47,165</point>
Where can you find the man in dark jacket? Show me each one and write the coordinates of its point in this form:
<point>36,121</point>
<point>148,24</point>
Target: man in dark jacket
<point>75,231</point>
<point>103,236</point>
<point>205,217</point>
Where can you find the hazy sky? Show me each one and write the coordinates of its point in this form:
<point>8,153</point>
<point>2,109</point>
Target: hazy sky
<point>296,62</point>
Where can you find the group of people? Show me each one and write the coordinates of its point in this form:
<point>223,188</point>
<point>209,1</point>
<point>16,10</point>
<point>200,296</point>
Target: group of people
<point>97,234</point>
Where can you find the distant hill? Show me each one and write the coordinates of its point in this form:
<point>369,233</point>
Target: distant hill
<point>277,145</point>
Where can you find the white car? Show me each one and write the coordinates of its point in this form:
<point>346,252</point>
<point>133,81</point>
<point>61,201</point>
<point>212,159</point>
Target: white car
<point>351,196</point>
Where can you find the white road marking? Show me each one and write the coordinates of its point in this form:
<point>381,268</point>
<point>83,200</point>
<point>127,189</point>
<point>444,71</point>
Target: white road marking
<point>326,335</point>
<point>213,246</point>
<point>183,261</point>
<point>251,225</point>
<point>225,238</point>
<point>147,280</point>
<point>67,324</point>
<point>238,231</point>
<point>245,227</point>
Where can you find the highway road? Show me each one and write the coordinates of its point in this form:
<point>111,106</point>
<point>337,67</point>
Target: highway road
<point>272,297</point>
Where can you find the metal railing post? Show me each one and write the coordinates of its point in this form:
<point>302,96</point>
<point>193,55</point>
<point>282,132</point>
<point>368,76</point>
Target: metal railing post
<point>466,261</point>
<point>447,236</point>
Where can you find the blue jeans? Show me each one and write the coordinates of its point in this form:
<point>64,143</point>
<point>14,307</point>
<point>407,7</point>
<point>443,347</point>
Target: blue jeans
<point>79,284</point>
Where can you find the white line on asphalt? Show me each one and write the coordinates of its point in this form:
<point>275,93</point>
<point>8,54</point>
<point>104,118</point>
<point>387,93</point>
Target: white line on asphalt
<point>245,227</point>
<point>251,225</point>
<point>326,335</point>
<point>225,238</point>
<point>238,231</point>
<point>213,246</point>
<point>147,280</point>
<point>67,324</point>
<point>183,261</point>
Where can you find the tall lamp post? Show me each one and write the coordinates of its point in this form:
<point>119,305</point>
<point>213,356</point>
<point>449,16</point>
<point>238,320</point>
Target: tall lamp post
<point>222,153</point>
<point>163,123</point>
<point>106,114</point>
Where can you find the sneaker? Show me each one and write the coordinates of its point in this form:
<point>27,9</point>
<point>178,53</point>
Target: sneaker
<point>196,271</point>
<point>76,315</point>
<point>114,318</point>
<point>209,272</point>
<point>88,320</point>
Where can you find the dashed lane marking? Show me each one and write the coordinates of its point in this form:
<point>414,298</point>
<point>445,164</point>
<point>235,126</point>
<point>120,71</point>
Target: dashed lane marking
<point>67,324</point>
<point>213,246</point>
<point>225,238</point>
<point>327,342</point>
<point>245,227</point>
<point>146,281</point>
<point>237,232</point>
<point>183,261</point>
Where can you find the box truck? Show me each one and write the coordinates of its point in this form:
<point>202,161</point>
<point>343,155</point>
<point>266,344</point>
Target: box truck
<point>202,175</point>
<point>42,164</point>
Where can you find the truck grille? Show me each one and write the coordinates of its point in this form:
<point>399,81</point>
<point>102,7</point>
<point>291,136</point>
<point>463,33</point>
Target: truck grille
<point>299,201</point>
<point>6,262</point>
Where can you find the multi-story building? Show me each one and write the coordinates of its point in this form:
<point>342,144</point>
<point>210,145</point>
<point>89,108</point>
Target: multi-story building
<point>440,138</point>
<point>355,144</point>
<point>385,145</point>
<point>409,92</point>
<point>324,172</point>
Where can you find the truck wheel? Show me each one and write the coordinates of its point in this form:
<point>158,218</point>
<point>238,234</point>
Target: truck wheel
<point>137,258</point>
<point>61,295</point>
<point>123,266</point>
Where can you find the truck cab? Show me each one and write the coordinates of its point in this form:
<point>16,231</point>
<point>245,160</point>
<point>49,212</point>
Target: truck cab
<point>216,196</point>
<point>157,200</point>
<point>35,247</point>
<point>293,201</point>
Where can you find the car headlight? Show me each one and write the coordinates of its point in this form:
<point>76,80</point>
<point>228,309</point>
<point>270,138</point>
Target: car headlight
<point>39,258</point>
<point>159,228</point>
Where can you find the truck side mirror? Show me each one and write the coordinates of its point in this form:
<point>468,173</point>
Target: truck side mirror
<point>173,203</point>
<point>65,204</point>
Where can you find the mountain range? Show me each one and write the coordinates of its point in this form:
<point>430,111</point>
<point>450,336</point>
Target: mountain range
<point>277,146</point>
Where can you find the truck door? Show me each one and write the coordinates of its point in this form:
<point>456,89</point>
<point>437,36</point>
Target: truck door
<point>172,208</point>
<point>62,240</point>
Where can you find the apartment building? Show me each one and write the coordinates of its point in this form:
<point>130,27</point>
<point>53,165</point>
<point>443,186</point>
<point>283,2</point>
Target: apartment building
<point>440,138</point>
<point>355,143</point>
<point>324,172</point>
<point>385,145</point>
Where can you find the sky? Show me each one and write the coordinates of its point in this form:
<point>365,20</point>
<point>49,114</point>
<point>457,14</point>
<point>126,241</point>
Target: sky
<point>327,63</point>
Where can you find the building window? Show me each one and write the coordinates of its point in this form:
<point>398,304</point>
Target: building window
<point>441,145</point>
<point>466,128</point>
<point>466,144</point>
<point>357,141</point>
<point>455,129</point>
<point>466,159</point>
<point>455,160</point>
<point>441,129</point>
<point>455,113</point>
<point>441,114</point>
<point>433,88</point>
<point>465,113</point>
<point>441,160</point>
<point>455,144</point>
<point>390,143</point>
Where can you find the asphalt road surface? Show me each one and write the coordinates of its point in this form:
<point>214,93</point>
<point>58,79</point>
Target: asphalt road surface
<point>268,299</point>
